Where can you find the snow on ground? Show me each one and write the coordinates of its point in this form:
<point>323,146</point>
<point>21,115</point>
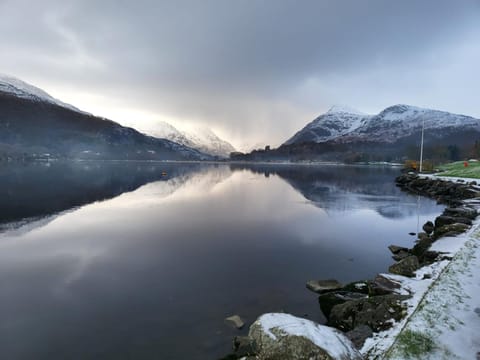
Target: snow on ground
<point>327,338</point>
<point>446,324</point>
<point>443,315</point>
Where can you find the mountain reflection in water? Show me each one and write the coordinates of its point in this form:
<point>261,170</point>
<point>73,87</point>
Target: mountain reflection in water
<point>121,260</point>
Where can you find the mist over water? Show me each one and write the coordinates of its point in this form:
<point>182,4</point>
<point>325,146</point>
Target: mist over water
<point>144,260</point>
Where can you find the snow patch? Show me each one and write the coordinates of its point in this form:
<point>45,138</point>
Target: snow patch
<point>335,109</point>
<point>329,339</point>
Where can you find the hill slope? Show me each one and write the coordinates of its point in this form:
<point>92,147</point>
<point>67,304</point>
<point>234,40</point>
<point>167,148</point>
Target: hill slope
<point>344,134</point>
<point>33,124</point>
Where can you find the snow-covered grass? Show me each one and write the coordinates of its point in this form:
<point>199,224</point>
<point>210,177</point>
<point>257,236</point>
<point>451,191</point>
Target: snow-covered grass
<point>449,313</point>
<point>457,169</point>
<point>376,346</point>
<point>414,343</point>
<point>443,315</point>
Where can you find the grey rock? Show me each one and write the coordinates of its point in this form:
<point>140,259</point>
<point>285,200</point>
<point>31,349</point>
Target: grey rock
<point>421,246</point>
<point>394,249</point>
<point>405,267</point>
<point>383,286</point>
<point>428,227</point>
<point>461,212</point>
<point>447,220</point>
<point>279,343</point>
<point>235,321</point>
<point>423,235</point>
<point>450,230</point>
<point>374,311</point>
<point>323,286</point>
<point>358,335</point>
<point>328,300</point>
<point>401,255</point>
<point>244,346</point>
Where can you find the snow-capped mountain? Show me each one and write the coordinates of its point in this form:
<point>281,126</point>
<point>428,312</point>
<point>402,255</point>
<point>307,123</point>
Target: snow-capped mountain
<point>337,121</point>
<point>21,89</point>
<point>34,124</point>
<point>202,139</point>
<point>394,134</point>
<point>341,125</point>
<point>400,121</point>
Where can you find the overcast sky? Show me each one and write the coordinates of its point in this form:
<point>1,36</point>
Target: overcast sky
<point>255,71</point>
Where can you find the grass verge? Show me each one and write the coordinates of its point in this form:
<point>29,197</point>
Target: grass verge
<point>413,343</point>
<point>457,169</point>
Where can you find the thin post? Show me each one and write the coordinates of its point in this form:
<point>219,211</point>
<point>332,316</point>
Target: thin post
<point>421,146</point>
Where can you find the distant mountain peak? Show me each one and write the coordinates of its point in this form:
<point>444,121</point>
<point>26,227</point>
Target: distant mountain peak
<point>201,138</point>
<point>335,109</point>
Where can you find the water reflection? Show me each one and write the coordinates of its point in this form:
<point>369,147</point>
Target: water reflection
<point>147,266</point>
<point>34,192</point>
<point>344,188</point>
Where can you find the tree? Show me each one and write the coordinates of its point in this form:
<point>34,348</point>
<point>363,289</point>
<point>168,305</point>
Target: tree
<point>453,152</point>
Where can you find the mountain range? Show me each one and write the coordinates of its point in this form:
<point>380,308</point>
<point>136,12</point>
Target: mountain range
<point>343,125</point>
<point>34,124</point>
<point>345,134</point>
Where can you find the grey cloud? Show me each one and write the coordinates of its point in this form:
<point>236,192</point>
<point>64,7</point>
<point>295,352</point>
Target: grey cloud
<point>253,68</point>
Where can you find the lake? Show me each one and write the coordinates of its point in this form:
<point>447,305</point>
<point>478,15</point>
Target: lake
<point>140,260</point>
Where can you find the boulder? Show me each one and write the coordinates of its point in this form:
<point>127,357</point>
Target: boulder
<point>405,267</point>
<point>357,287</point>
<point>423,235</point>
<point>375,312</point>
<point>358,335</point>
<point>394,249</point>
<point>244,346</point>
<point>282,336</point>
<point>401,255</point>
<point>235,321</point>
<point>323,286</point>
<point>430,257</point>
<point>447,220</point>
<point>428,227</point>
<point>450,230</point>
<point>421,246</point>
<point>328,300</point>
<point>382,285</point>
<point>461,212</point>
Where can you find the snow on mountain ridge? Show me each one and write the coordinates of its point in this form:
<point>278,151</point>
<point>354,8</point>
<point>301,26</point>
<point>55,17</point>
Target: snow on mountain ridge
<point>201,138</point>
<point>403,120</point>
<point>334,123</point>
<point>21,89</point>
<point>340,124</point>
<point>338,108</point>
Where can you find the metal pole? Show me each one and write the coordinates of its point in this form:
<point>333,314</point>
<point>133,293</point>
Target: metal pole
<point>421,146</point>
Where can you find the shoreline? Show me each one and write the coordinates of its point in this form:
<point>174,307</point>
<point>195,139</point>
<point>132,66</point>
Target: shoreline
<point>375,325</point>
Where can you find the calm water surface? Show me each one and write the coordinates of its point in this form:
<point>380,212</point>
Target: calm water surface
<point>120,261</point>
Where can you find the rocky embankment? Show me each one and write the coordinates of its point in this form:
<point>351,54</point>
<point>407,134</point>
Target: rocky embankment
<point>358,311</point>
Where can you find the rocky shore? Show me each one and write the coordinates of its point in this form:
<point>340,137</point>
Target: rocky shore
<point>358,312</point>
